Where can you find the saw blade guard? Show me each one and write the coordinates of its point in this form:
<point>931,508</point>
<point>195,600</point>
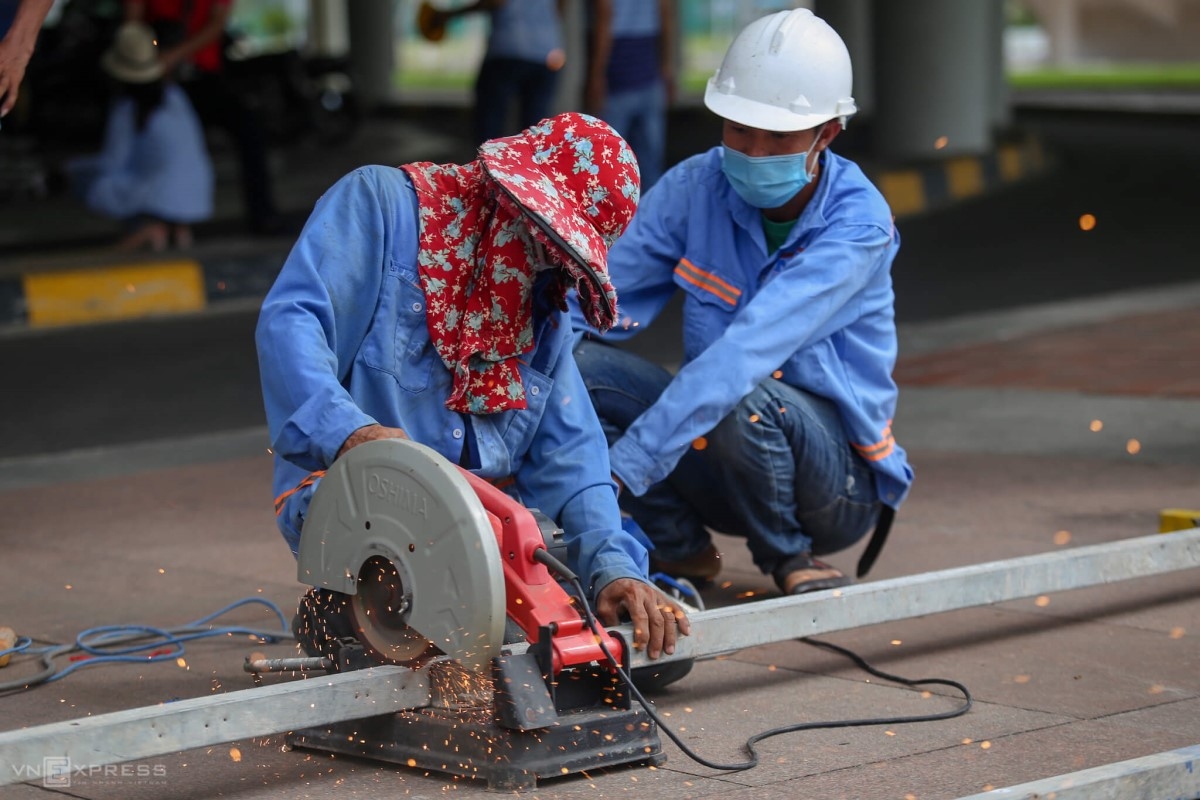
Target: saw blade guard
<point>402,502</point>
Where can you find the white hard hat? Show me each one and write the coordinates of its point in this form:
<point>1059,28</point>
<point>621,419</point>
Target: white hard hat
<point>788,71</point>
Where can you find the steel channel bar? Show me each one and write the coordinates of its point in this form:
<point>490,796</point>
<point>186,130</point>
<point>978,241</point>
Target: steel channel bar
<point>725,630</point>
<point>185,724</point>
<point>1173,774</point>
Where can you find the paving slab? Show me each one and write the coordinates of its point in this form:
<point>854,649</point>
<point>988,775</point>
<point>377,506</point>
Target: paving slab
<point>107,531</point>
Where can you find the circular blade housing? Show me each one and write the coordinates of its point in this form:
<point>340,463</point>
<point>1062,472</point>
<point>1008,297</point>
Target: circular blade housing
<point>396,525</point>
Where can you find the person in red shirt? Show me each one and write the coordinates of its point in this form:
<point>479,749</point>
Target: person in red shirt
<point>191,36</point>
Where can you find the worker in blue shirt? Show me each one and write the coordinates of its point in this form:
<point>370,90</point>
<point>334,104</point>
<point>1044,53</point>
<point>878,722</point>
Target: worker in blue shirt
<point>629,80</point>
<point>777,425</point>
<point>521,62</point>
<point>428,302</point>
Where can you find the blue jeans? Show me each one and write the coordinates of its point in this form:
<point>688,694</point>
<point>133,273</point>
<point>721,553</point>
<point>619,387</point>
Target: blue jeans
<point>640,116</point>
<point>778,470</point>
<point>500,82</point>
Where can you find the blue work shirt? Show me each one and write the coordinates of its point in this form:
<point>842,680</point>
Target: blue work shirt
<point>343,343</point>
<point>817,314</point>
<point>527,30</point>
<point>162,171</point>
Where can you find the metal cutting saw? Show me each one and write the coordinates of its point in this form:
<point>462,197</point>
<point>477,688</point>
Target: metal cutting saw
<point>446,573</point>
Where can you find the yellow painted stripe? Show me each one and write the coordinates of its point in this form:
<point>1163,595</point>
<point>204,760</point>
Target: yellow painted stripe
<point>1009,161</point>
<point>964,177</point>
<point>904,191</point>
<point>72,297</point>
<point>1178,519</point>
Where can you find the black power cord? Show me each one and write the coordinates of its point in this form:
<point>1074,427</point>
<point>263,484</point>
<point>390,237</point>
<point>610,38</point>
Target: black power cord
<point>557,566</point>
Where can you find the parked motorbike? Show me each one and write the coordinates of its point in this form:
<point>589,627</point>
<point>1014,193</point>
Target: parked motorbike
<point>297,96</point>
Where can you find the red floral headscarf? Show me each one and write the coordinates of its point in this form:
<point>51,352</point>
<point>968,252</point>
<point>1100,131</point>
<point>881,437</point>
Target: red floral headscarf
<point>567,186</point>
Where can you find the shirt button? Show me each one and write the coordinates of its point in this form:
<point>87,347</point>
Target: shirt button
<point>458,433</point>
<point>535,391</point>
<point>416,306</point>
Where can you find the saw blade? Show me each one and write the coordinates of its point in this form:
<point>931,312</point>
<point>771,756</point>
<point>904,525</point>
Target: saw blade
<point>379,612</point>
<point>397,526</point>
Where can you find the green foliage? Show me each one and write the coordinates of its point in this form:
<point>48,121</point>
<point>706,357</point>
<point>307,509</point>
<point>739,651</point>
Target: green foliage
<point>1131,76</point>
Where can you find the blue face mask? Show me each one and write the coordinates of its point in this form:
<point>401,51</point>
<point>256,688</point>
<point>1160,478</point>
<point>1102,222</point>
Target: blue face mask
<point>766,181</point>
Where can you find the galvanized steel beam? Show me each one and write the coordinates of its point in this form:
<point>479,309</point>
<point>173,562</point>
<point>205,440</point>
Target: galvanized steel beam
<point>1174,775</point>
<point>30,753</point>
<point>719,631</point>
<point>174,727</point>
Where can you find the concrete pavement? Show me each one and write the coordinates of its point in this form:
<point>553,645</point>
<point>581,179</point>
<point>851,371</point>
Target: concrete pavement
<point>165,533</point>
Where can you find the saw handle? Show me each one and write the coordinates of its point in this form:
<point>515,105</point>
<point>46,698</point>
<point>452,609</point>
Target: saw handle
<point>518,534</point>
<point>534,599</point>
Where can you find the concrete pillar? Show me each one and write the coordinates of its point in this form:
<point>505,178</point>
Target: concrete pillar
<point>372,49</point>
<point>852,19</point>
<point>1000,107</point>
<point>568,94</point>
<point>1061,21</point>
<point>932,91</point>
<point>328,28</point>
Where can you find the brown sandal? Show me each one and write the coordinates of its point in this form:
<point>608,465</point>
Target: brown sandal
<point>802,573</point>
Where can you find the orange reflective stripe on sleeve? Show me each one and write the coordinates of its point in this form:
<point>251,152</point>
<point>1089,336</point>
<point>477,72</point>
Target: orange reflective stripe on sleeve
<point>879,450</point>
<point>308,481</point>
<point>707,281</point>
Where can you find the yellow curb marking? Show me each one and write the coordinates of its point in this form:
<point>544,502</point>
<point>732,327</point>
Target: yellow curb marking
<point>964,177</point>
<point>904,191</point>
<point>1178,519</point>
<point>1010,163</point>
<point>125,291</point>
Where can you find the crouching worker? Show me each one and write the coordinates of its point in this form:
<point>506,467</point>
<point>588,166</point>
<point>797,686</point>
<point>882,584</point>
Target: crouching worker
<point>777,427</point>
<point>428,302</point>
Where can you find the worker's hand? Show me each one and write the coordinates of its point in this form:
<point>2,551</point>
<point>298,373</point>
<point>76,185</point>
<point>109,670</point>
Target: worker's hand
<point>657,620</point>
<point>370,433</point>
<point>12,70</point>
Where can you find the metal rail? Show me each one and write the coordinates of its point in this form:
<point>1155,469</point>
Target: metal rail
<point>725,630</point>
<point>174,727</point>
<point>1173,774</point>
<point>36,753</point>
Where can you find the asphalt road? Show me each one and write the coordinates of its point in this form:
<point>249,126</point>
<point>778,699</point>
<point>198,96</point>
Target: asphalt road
<point>144,381</point>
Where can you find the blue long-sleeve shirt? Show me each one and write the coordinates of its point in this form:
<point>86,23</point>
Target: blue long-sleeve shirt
<point>816,314</point>
<point>343,343</point>
<point>162,170</point>
<point>527,30</point>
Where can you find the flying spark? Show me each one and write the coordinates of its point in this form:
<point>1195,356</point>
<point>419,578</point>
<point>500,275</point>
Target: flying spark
<point>1133,447</point>
<point>1096,426</point>
<point>941,142</point>
<point>1087,222</point>
<point>1062,537</point>
<point>1042,601</point>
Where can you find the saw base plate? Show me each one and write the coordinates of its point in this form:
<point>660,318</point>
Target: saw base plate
<point>473,746</point>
